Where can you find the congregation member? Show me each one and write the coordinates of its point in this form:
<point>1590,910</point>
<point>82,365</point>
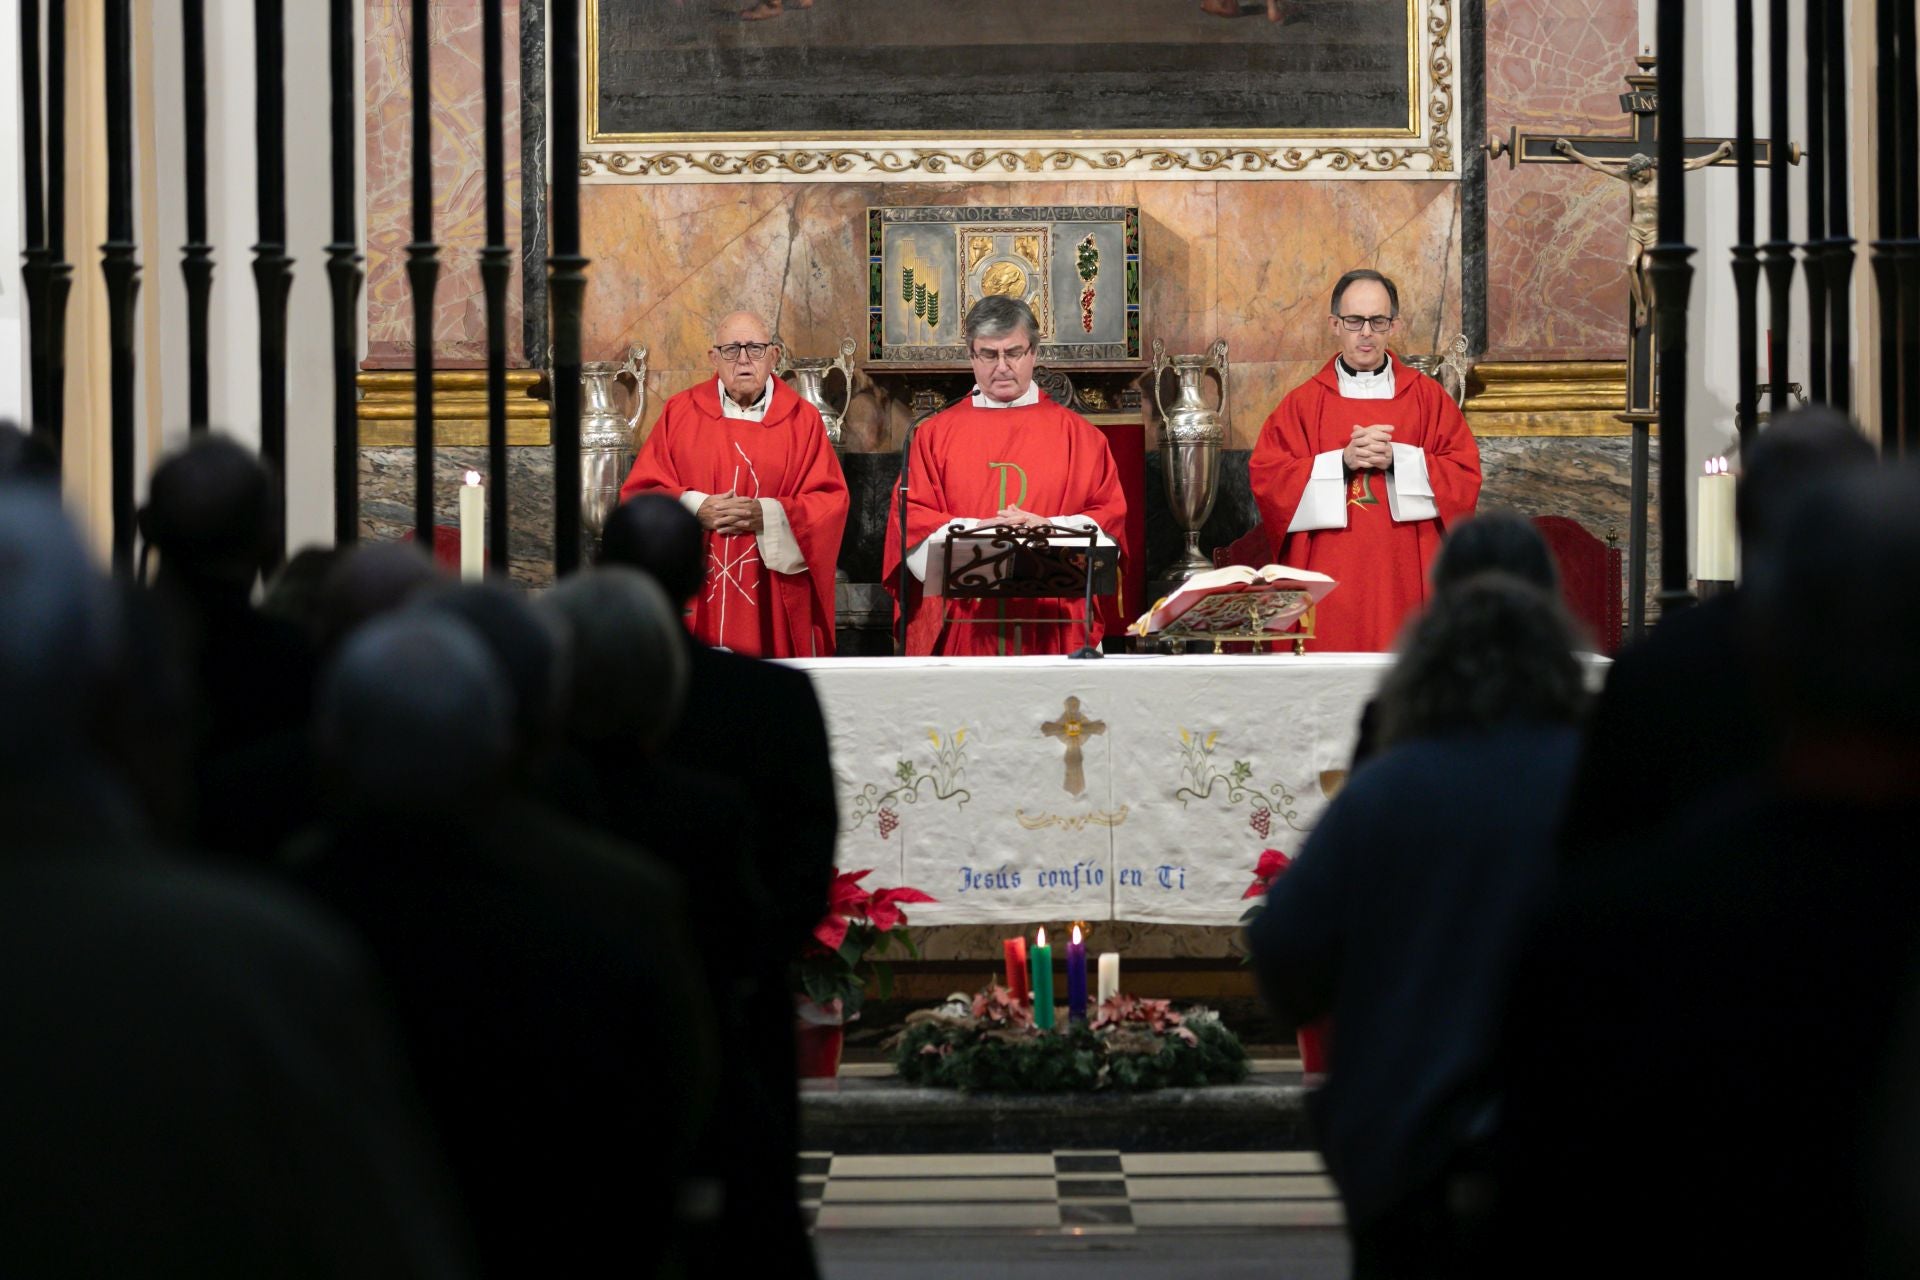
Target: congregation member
<point>782,779</point>
<point>210,519</point>
<point>201,1078</point>
<point>1006,455</point>
<point>1682,714</point>
<point>751,460</point>
<point>1704,1037</point>
<point>543,976</point>
<point>1360,472</point>
<point>1405,931</point>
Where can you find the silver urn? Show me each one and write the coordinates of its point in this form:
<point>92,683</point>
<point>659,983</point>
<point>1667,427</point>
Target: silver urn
<point>1191,436</point>
<point>606,436</point>
<point>810,383</point>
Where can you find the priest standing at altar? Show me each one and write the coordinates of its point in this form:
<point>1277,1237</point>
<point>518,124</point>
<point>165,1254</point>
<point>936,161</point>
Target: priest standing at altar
<point>1361,471</point>
<point>751,460</point>
<point>1006,455</point>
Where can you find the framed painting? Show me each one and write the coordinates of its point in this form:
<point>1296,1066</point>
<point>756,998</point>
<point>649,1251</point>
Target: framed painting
<point>1077,266</point>
<point>782,90</point>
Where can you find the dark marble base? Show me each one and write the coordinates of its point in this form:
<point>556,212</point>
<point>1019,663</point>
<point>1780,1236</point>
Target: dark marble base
<point>866,1115</point>
<point>386,500</point>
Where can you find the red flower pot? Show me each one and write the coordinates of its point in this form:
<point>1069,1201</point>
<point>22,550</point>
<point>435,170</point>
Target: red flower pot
<point>819,1050</point>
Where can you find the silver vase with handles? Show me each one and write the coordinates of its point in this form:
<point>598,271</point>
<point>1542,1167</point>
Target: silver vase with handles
<point>606,436</point>
<point>1191,436</point>
<point>810,383</point>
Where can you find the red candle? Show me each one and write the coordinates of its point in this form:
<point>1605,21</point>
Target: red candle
<point>1016,949</point>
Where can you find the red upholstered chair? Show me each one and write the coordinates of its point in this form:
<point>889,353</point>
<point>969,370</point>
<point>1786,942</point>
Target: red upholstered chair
<point>1589,577</point>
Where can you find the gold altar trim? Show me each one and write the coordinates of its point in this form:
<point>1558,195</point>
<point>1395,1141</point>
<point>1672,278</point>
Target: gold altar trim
<point>1547,398</point>
<point>459,408</point>
<point>767,154</point>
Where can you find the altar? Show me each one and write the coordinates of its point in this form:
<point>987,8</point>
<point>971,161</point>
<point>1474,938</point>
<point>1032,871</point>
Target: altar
<point>1139,788</point>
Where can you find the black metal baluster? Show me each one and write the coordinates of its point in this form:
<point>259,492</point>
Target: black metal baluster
<point>567,279</point>
<point>272,268</point>
<point>1886,284</point>
<point>495,268</point>
<point>1746,259</point>
<point>1813,252</point>
<point>1907,167</point>
<point>33,269</point>
<point>423,274</point>
<point>1839,251</point>
<point>343,274</point>
<point>122,273</point>
<point>1778,251</point>
<point>1672,279</point>
<point>196,263</point>
<point>51,422</point>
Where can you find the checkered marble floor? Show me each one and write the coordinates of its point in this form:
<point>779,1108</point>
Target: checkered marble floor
<point>1070,1192</point>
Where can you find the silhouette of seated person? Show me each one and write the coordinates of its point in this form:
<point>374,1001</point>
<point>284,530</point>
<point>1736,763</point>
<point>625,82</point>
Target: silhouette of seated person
<point>1761,940</point>
<point>212,520</point>
<point>1401,913</point>
<point>200,1079</point>
<point>367,580</point>
<point>544,981</point>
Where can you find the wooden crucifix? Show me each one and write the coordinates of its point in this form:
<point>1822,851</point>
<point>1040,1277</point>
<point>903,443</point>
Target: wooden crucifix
<point>1632,159</point>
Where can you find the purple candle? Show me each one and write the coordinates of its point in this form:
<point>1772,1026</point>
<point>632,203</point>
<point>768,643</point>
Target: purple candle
<point>1076,978</point>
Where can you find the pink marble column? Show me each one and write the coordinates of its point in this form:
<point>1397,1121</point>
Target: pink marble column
<point>459,177</point>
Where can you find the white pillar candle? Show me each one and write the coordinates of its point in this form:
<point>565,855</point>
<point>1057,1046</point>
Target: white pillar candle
<point>1109,976</point>
<point>1715,539</point>
<point>473,531</point>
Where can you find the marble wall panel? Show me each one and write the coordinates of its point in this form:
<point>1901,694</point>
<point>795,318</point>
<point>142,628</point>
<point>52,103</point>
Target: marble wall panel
<point>1247,261</point>
<point>1556,234</point>
<point>386,501</point>
<point>459,169</point>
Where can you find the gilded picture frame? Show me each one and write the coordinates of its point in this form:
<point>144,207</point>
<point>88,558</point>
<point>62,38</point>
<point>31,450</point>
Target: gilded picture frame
<point>668,98</point>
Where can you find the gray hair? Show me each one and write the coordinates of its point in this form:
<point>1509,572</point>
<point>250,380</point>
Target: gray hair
<point>629,655</point>
<point>413,717</point>
<point>998,314</point>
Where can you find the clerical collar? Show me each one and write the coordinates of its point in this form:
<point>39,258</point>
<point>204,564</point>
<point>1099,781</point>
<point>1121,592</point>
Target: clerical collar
<point>1352,372</point>
<point>1364,384</point>
<point>1031,395</point>
<point>755,412</point>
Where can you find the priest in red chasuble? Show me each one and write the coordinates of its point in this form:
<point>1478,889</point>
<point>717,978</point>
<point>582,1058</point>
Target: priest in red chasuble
<point>1361,471</point>
<point>1004,455</point>
<point>750,459</point>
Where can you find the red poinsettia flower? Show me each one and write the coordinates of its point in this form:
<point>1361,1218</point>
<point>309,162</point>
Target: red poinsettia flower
<point>1272,863</point>
<point>883,909</point>
<point>847,902</point>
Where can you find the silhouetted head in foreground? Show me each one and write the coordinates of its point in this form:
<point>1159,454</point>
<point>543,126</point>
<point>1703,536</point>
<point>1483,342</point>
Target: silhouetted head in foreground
<point>528,643</point>
<point>656,535</point>
<point>1499,541</point>
<point>212,515</point>
<point>629,656</point>
<point>371,579</point>
<point>1793,456</point>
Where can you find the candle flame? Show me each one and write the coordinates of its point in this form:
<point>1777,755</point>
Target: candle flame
<point>1717,466</point>
<point>1041,939</point>
<point>473,477</point>
<point>1076,935</point>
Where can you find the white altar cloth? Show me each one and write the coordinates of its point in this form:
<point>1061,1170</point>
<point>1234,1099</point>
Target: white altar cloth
<point>954,777</point>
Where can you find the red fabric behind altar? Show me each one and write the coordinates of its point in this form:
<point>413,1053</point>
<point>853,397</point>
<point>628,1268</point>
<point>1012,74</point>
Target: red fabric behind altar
<point>1127,441</point>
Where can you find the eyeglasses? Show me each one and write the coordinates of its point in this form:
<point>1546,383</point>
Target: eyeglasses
<point>1353,324</point>
<point>752,350</point>
<point>1012,355</point>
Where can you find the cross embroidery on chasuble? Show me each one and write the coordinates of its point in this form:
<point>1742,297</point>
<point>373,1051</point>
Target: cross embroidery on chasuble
<point>727,558</point>
<point>1071,728</point>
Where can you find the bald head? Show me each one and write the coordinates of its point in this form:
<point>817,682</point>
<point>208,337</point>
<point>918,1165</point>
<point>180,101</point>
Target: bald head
<point>743,373</point>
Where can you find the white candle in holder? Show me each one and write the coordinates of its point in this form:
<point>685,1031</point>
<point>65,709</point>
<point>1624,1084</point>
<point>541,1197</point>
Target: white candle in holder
<point>1109,977</point>
<point>473,531</point>
<point>1715,539</point>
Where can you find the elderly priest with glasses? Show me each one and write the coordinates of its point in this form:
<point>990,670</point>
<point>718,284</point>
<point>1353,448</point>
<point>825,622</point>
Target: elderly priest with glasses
<point>751,459</point>
<point>1006,455</point>
<point>1361,471</point>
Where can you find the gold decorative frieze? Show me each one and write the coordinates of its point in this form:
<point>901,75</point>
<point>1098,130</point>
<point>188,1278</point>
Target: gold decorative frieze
<point>1424,146</point>
<point>459,408</point>
<point>1547,398</point>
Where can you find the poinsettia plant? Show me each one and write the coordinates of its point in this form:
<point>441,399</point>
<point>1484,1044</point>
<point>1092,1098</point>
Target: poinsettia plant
<point>848,945</point>
<point>1272,862</point>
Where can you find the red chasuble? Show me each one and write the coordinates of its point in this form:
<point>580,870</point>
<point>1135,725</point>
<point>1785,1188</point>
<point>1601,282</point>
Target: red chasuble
<point>970,463</point>
<point>746,605</point>
<point>1381,564</point>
